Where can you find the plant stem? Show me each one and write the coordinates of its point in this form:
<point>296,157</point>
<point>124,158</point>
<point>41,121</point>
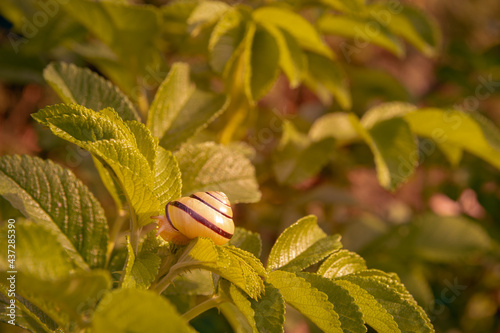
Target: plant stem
<point>203,306</point>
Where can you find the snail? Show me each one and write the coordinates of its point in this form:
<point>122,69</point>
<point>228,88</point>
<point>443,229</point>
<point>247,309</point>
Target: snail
<point>203,214</point>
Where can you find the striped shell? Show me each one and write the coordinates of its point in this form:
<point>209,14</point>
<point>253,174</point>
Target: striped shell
<point>203,214</point>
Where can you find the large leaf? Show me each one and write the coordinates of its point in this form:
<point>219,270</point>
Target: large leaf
<point>133,310</point>
<point>269,310</point>
<point>471,132</point>
<point>46,276</point>
<point>311,302</point>
<point>297,26</point>
<point>141,270</point>
<point>262,64</point>
<point>363,30</point>
<point>294,241</point>
<point>54,197</point>
<point>445,239</point>
<point>292,161</point>
<point>82,86</point>
<point>341,263</point>
<point>326,77</point>
<point>209,166</point>
<point>112,141</point>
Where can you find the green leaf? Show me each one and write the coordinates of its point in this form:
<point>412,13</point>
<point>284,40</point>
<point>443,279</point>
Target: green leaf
<point>193,282</point>
<point>269,310</point>
<point>136,45</point>
<point>292,242</point>
<point>447,239</point>
<point>240,301</point>
<point>363,30</point>
<point>336,125</point>
<point>82,86</point>
<point>313,254</point>
<point>226,36</point>
<point>373,313</point>
<point>171,96</point>
<point>471,132</point>
<point>325,77</point>
<point>133,310</point>
<point>410,23</point>
<point>168,184</point>
<point>206,12</point>
<point>247,240</point>
<point>140,271</point>
<point>108,138</point>
<point>292,60</point>
<point>311,302</point>
<point>341,263</point>
<point>292,160</point>
<point>54,197</point>
<point>262,64</point>
<point>394,298</point>
<point>349,313</point>
<point>386,111</point>
<point>394,147</point>
<point>305,34</point>
<point>238,267</point>
<point>349,6</point>
<point>47,278</point>
<point>200,110</point>
<point>209,166</point>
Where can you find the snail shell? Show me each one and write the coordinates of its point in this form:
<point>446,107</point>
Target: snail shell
<point>203,214</point>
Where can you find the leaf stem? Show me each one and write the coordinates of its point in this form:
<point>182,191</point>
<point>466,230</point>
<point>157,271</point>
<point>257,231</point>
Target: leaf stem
<point>204,306</point>
<point>113,236</point>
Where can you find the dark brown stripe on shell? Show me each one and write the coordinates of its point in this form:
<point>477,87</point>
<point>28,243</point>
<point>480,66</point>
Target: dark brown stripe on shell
<point>206,203</point>
<point>202,220</point>
<point>168,216</point>
<point>213,196</point>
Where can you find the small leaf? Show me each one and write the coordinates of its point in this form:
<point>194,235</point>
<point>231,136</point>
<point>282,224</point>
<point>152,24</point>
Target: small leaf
<point>269,310</point>
<point>410,23</point>
<point>108,138</point>
<point>200,110</point>
<point>393,296</point>
<point>362,30</point>
<point>262,67</point>
<point>336,125</point>
<point>311,302</point>
<point>240,301</point>
<point>447,239</point>
<point>54,197</point>
<point>209,166</point>
<point>226,36</point>
<point>171,96</point>
<point>246,240</point>
<point>133,310</point>
<point>341,263</point>
<point>193,282</point>
<point>168,184</point>
<point>394,147</point>
<point>471,132</point>
<point>305,34</point>
<point>140,270</point>
<point>344,305</point>
<point>325,77</point>
<point>373,313</point>
<point>82,86</point>
<point>292,161</point>
<point>313,254</point>
<point>292,60</point>
<point>386,111</point>
<point>206,12</point>
<point>293,241</point>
